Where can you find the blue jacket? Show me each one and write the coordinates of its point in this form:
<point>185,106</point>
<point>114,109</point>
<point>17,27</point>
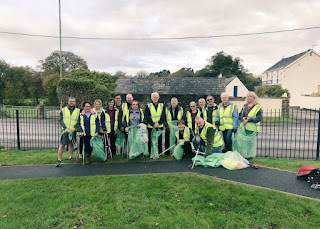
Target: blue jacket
<point>86,121</point>
<point>234,117</point>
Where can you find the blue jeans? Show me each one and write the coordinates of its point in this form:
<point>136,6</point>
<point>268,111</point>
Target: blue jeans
<point>227,138</point>
<point>203,147</point>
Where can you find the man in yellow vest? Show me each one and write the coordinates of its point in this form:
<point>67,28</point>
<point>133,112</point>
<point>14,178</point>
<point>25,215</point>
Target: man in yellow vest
<point>210,138</point>
<point>211,110</point>
<point>68,122</point>
<point>155,117</point>
<point>125,107</point>
<point>202,108</point>
<point>173,113</point>
<point>227,120</point>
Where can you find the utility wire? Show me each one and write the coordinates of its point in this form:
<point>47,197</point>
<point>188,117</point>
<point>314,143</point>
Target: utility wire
<point>160,38</point>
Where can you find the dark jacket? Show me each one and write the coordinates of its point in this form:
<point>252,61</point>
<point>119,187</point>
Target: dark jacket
<point>86,121</point>
<point>257,119</point>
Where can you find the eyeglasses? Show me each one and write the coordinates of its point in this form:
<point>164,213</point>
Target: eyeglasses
<point>192,106</point>
<point>135,104</point>
<point>209,99</point>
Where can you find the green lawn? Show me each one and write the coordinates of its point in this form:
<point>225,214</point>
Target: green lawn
<point>145,201</point>
<point>32,157</point>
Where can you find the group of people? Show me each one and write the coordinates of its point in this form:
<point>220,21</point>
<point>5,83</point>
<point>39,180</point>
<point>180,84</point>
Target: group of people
<point>206,128</point>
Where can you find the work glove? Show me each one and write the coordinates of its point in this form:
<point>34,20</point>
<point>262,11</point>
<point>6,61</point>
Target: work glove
<point>234,130</point>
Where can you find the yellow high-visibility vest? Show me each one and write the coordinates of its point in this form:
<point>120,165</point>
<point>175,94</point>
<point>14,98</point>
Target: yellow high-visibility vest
<point>70,120</point>
<point>155,114</point>
<point>99,117</point>
<point>108,124</point>
<point>124,108</point>
<point>92,124</point>
<point>186,135</point>
<point>253,114</point>
<point>204,113</point>
<point>128,116</point>
<point>189,119</point>
<point>218,141</point>
<point>226,120</point>
<point>169,116</point>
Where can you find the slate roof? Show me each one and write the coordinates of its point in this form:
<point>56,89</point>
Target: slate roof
<point>287,61</point>
<point>174,86</point>
<point>228,80</point>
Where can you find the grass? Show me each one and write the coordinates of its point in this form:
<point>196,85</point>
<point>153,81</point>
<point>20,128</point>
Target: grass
<point>285,164</point>
<point>150,201</point>
<point>32,157</point>
<point>279,119</point>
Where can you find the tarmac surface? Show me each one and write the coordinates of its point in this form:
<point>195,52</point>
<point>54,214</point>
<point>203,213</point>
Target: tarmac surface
<point>279,180</point>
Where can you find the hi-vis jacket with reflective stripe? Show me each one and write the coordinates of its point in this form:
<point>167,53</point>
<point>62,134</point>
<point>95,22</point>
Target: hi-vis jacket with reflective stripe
<point>203,113</point>
<point>127,117</point>
<point>253,114</point>
<point>70,120</point>
<point>88,126</point>
<point>186,135</point>
<point>155,114</point>
<point>102,119</point>
<point>228,117</point>
<point>189,119</point>
<point>124,108</point>
<point>115,121</point>
<point>217,142</point>
<point>169,116</point>
<point>214,114</point>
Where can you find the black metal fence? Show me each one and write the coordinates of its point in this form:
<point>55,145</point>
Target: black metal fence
<point>294,134</point>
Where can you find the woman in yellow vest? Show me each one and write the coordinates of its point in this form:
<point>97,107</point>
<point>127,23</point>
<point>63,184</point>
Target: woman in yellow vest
<point>101,115</point>
<point>251,113</point>
<point>112,115</point>
<point>88,126</point>
<point>227,120</point>
<point>191,116</point>
<point>184,134</point>
<point>154,117</point>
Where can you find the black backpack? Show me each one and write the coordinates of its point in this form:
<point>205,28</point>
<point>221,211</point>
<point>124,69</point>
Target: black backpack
<point>314,178</point>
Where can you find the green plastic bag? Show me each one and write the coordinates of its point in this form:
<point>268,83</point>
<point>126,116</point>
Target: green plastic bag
<point>178,151</point>
<point>213,160</point>
<point>245,142</point>
<point>154,143</point>
<point>120,140</point>
<point>136,147</point>
<point>96,143</point>
<point>172,137</point>
<point>70,134</point>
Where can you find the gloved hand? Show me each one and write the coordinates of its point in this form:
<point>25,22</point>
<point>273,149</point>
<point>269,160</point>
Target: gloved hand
<point>234,130</point>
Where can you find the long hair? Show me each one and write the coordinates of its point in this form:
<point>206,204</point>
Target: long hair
<point>256,98</point>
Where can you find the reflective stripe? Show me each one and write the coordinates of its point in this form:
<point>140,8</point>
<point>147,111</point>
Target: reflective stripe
<point>108,121</point>
<point>253,114</point>
<point>189,119</point>
<point>125,109</point>
<point>92,124</point>
<point>226,120</point>
<point>217,141</point>
<point>128,116</point>
<point>186,135</point>
<point>169,117</point>
<point>155,114</point>
<point>99,117</point>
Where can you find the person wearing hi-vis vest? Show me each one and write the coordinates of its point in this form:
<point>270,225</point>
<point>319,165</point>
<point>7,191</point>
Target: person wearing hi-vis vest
<point>210,113</point>
<point>173,113</point>
<point>184,134</point>
<point>251,113</point>
<point>227,120</point>
<point>88,126</point>
<point>68,122</point>
<point>191,116</point>
<point>154,117</point>
<point>112,115</point>
<point>202,108</point>
<point>124,109</point>
<point>210,138</point>
<point>101,115</point>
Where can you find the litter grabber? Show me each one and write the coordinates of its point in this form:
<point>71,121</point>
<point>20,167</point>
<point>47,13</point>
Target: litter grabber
<point>107,146</point>
<point>197,152</point>
<point>166,150</point>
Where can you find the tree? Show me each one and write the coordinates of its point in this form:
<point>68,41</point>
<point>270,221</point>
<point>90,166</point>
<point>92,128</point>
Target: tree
<point>163,73</point>
<point>205,72</point>
<point>50,84</point>
<point>275,91</point>
<point>120,73</point>
<point>86,85</point>
<point>142,74</point>
<point>4,67</point>
<point>183,72</point>
<point>70,61</point>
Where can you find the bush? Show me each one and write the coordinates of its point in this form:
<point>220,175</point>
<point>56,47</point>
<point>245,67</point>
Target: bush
<point>274,91</point>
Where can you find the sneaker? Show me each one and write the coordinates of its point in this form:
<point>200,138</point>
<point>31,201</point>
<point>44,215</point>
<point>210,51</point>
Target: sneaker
<point>58,163</point>
<point>72,159</point>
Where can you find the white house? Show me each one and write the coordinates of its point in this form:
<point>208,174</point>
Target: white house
<point>300,74</point>
<point>235,88</point>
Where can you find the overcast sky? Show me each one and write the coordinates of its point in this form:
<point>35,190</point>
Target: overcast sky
<point>151,19</point>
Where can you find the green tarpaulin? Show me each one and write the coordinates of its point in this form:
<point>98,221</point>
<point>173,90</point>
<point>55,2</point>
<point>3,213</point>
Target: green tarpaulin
<point>96,143</point>
<point>213,160</point>
<point>136,146</point>
<point>173,129</point>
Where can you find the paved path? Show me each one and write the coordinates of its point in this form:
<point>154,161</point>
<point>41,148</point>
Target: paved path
<point>264,177</point>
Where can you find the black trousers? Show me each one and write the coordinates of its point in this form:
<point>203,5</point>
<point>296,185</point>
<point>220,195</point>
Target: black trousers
<point>112,139</point>
<point>187,150</point>
<point>161,141</point>
<point>87,147</point>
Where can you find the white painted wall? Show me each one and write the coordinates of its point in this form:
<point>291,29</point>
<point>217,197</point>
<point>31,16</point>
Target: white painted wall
<point>309,102</point>
<point>242,90</point>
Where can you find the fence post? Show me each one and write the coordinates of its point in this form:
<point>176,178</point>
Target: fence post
<point>318,141</point>
<point>18,129</point>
